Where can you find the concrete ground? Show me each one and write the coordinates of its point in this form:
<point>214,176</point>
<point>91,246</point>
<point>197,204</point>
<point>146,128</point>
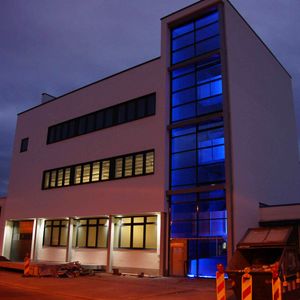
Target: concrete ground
<point>105,286</point>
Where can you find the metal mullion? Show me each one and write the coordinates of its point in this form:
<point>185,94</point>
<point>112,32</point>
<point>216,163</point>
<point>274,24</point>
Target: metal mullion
<point>63,176</point>
<point>59,232</point>
<point>181,35</point>
<point>144,232</point>
<point>97,232</point>
<point>51,234</point>
<point>87,233</point>
<point>100,170</point>
<point>131,232</point>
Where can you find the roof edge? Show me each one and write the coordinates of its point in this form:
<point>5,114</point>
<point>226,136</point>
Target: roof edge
<point>92,83</point>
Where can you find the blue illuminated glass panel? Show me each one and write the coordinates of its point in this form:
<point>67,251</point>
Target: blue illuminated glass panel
<point>195,38</point>
<point>197,90</point>
<point>198,148</point>
<point>201,217</point>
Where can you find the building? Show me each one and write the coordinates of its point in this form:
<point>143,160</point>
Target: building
<point>159,168</point>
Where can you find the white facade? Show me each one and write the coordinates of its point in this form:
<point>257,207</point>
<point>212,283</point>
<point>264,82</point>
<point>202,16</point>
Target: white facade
<point>260,145</point>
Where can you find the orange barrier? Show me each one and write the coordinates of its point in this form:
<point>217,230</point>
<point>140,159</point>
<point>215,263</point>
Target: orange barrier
<point>26,265</point>
<point>276,284</point>
<point>220,283</point>
<point>246,285</point>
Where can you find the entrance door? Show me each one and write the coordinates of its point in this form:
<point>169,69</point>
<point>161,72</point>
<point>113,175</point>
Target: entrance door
<point>178,257</point>
<point>21,240</point>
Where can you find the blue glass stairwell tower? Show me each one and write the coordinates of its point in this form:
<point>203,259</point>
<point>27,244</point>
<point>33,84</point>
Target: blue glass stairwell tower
<point>197,195</point>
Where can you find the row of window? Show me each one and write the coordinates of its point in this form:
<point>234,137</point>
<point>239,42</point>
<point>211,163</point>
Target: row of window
<point>129,165</point>
<point>114,115</point>
<point>129,233</point>
<point>195,38</point>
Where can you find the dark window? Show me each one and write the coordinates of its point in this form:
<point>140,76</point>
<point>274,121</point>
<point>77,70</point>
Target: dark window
<point>55,233</point>
<point>129,165</point>
<point>108,117</point>
<point>91,123</point>
<point>136,232</point>
<point>104,118</point>
<point>91,233</point>
<point>131,107</point>
<point>24,144</point>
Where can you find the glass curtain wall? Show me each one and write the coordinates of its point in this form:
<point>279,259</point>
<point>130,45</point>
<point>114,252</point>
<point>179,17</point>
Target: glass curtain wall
<point>198,150</point>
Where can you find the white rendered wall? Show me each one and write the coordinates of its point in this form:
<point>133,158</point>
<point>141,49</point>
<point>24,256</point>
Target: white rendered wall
<point>90,256</point>
<point>125,196</point>
<point>2,223</point>
<point>263,131</point>
<point>140,259</point>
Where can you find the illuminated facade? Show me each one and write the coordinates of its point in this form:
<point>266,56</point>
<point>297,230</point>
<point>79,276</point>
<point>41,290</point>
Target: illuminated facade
<point>162,176</point>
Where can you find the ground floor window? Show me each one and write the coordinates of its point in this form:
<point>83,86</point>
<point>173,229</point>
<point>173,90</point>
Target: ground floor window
<point>55,233</point>
<point>139,232</point>
<point>90,233</point>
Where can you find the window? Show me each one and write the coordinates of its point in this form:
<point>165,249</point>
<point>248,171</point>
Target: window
<point>91,233</point>
<point>55,233</point>
<point>197,89</point>
<point>198,155</point>
<point>24,145</point>
<point>195,38</point>
<point>114,115</point>
<point>129,165</point>
<point>136,232</point>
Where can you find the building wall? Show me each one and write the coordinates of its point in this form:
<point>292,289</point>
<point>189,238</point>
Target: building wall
<point>263,133</point>
<point>126,196</point>
<point>2,220</point>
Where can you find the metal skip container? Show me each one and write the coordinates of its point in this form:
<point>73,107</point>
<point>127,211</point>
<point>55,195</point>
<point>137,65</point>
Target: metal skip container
<point>260,250</point>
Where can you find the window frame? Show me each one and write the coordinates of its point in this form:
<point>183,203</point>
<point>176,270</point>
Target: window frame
<point>98,120</point>
<point>74,181</point>
<point>52,226</point>
<point>24,144</point>
<point>131,225</point>
<point>87,226</point>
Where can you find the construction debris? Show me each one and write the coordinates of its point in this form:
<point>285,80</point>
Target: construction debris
<point>69,270</point>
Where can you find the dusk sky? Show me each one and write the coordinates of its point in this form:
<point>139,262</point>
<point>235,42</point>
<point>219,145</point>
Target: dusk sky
<point>56,46</point>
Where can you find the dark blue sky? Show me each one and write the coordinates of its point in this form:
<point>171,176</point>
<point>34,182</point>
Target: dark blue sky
<point>56,46</point>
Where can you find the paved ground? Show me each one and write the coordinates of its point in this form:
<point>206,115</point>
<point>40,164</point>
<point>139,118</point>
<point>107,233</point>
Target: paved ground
<point>104,286</point>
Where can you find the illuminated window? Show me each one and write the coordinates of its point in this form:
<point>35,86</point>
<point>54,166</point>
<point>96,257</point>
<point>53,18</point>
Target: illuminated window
<point>46,180</point>
<point>96,171</point>
<point>128,166</point>
<point>55,233</point>
<point>136,232</point>
<point>67,176</point>
<point>53,179</point>
<point>149,162</point>
<point>86,173</point>
<point>60,175</point>
<point>138,170</point>
<point>137,164</point>
<point>118,167</point>
<point>92,233</point>
<point>77,174</point>
<point>105,170</point>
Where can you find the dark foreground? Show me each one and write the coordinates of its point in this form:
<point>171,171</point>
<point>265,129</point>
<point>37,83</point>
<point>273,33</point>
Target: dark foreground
<point>104,286</point>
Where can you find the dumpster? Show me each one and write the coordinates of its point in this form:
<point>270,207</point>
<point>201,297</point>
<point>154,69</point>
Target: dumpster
<point>260,250</point>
